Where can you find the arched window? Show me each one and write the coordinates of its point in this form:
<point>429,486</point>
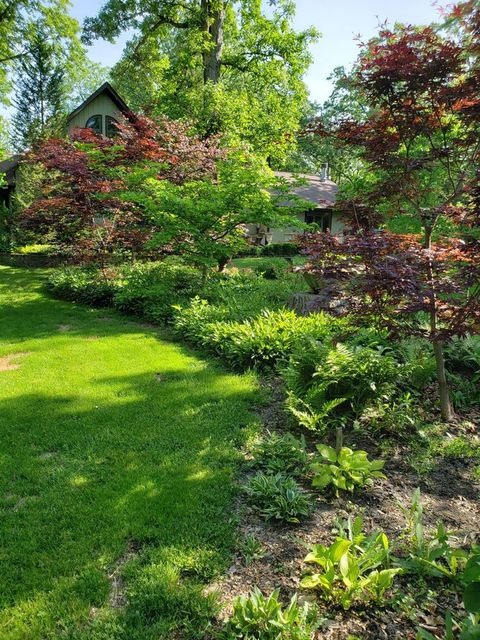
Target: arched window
<point>95,123</point>
<point>110,127</point>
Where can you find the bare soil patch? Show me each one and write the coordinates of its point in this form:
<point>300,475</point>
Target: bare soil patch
<point>7,362</point>
<point>117,597</point>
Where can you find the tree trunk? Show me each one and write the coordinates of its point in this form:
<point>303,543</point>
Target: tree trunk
<point>204,271</point>
<point>446,408</point>
<point>213,27</point>
<point>445,403</point>
<point>222,263</point>
<point>338,439</point>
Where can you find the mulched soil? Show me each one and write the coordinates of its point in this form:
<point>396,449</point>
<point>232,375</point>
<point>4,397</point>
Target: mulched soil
<point>449,493</point>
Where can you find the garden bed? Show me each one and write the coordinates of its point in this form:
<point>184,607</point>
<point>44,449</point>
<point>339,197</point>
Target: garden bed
<point>450,492</point>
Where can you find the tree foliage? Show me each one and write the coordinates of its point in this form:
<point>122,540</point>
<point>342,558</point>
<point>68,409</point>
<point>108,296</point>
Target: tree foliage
<point>39,42</point>
<point>315,144</point>
<point>420,137</point>
<point>226,64</point>
<point>16,20</point>
<point>155,183</point>
<point>38,91</point>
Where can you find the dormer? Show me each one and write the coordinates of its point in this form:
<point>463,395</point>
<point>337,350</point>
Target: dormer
<point>100,111</point>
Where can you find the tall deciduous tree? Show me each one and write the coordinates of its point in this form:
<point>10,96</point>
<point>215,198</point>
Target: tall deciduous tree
<point>225,63</point>
<point>315,144</point>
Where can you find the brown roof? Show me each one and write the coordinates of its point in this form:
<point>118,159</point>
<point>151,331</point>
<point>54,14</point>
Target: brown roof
<point>112,94</point>
<point>8,167</point>
<point>323,193</point>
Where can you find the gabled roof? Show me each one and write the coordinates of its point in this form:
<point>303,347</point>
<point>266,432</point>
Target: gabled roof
<point>8,166</point>
<point>321,192</point>
<point>111,93</point>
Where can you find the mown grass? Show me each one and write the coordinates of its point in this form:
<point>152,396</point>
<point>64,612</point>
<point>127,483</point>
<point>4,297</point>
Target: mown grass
<point>266,262</point>
<point>118,455</point>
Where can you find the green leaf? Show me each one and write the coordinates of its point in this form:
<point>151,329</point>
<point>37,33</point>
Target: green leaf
<point>311,582</point>
<point>472,632</point>
<point>327,452</point>
<point>471,597</point>
<point>471,572</point>
<point>376,465</point>
<point>322,479</point>
<point>338,548</point>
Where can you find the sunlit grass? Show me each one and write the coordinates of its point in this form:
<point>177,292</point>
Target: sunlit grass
<point>118,455</point>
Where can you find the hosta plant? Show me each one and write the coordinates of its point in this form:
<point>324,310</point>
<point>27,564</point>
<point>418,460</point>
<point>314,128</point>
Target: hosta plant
<point>279,497</point>
<point>259,617</point>
<point>344,470</point>
<point>354,568</point>
<point>281,454</point>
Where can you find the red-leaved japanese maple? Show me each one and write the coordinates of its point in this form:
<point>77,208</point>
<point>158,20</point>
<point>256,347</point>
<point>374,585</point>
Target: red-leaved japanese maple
<point>420,138</point>
<point>92,202</point>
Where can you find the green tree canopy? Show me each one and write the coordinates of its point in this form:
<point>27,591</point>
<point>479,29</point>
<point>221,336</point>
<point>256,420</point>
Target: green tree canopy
<point>226,64</point>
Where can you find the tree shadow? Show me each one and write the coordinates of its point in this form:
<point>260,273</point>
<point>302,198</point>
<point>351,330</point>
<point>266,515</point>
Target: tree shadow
<point>154,466</point>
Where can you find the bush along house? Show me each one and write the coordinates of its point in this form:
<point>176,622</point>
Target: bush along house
<point>104,107</point>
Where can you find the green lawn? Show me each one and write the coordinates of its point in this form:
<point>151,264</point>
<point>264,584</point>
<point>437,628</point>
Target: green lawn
<point>118,455</point>
<point>267,262</point>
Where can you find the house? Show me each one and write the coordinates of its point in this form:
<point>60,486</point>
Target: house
<point>100,111</point>
<point>8,171</point>
<point>317,189</point>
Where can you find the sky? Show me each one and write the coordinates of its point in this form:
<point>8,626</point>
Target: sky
<point>339,21</point>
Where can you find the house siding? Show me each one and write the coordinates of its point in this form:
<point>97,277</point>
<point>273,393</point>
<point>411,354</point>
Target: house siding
<point>287,235</point>
<point>102,105</point>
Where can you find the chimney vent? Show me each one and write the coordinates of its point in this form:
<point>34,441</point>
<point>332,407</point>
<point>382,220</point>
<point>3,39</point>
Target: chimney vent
<point>325,172</point>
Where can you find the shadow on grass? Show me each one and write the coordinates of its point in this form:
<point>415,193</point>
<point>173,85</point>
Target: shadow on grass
<point>106,473</point>
<point>79,488</point>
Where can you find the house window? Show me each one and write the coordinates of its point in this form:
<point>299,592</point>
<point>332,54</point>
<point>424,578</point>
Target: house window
<point>95,123</point>
<point>321,218</point>
<point>111,129</point>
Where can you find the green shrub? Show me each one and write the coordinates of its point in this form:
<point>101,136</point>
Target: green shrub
<point>258,617</point>
<point>246,294</point>
<point>281,249</point>
<point>193,322</point>
<point>397,416</point>
<point>342,378</point>
<point>264,340</point>
<point>279,497</point>
<point>87,286</point>
<point>250,250</point>
<point>344,470</point>
<point>354,568</point>
<point>150,289</point>
<point>281,454</point>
